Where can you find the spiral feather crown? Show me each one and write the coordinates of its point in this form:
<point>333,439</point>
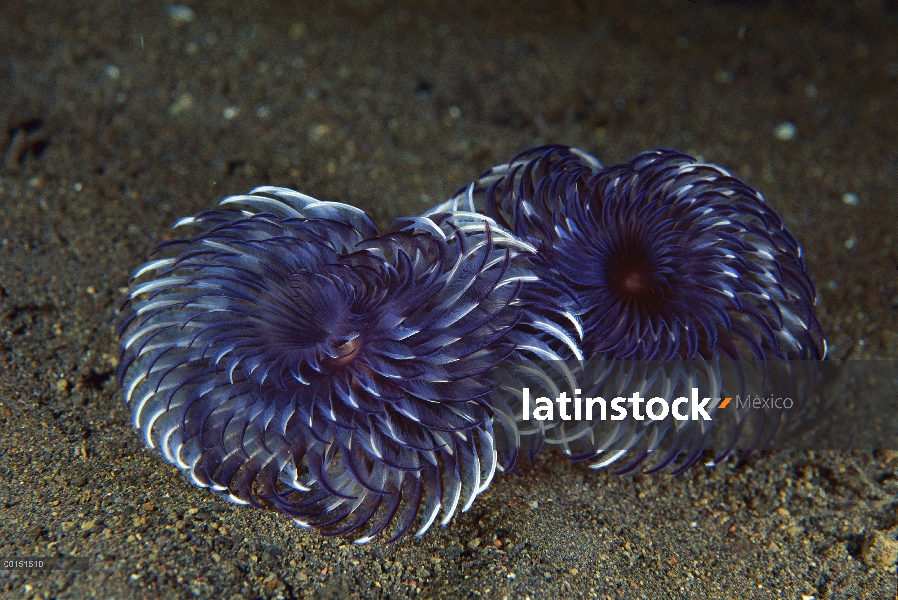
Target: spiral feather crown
<point>665,259</point>
<point>662,257</point>
<point>289,356</point>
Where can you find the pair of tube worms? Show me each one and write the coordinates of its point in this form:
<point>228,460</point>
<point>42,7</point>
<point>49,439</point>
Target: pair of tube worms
<point>289,355</point>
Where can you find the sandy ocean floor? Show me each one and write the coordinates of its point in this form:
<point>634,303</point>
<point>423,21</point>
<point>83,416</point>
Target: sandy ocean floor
<point>119,119</point>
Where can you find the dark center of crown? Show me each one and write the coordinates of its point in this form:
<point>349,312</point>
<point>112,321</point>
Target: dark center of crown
<point>635,284</point>
<point>630,273</point>
<point>630,267</point>
<point>342,351</point>
<point>632,282</point>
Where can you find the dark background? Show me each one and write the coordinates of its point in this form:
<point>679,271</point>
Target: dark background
<point>118,119</point>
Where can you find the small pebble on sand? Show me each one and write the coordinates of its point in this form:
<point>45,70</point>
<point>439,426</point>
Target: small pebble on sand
<point>180,14</point>
<point>785,131</point>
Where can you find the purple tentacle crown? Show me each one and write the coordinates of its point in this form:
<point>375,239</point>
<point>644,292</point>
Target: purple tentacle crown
<point>291,357</point>
<point>662,258</point>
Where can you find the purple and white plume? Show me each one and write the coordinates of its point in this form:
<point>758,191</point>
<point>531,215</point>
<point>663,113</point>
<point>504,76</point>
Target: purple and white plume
<point>662,258</point>
<point>289,356</point>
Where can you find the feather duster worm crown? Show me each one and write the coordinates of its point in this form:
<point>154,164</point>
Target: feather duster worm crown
<point>662,258</point>
<point>289,356</point>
